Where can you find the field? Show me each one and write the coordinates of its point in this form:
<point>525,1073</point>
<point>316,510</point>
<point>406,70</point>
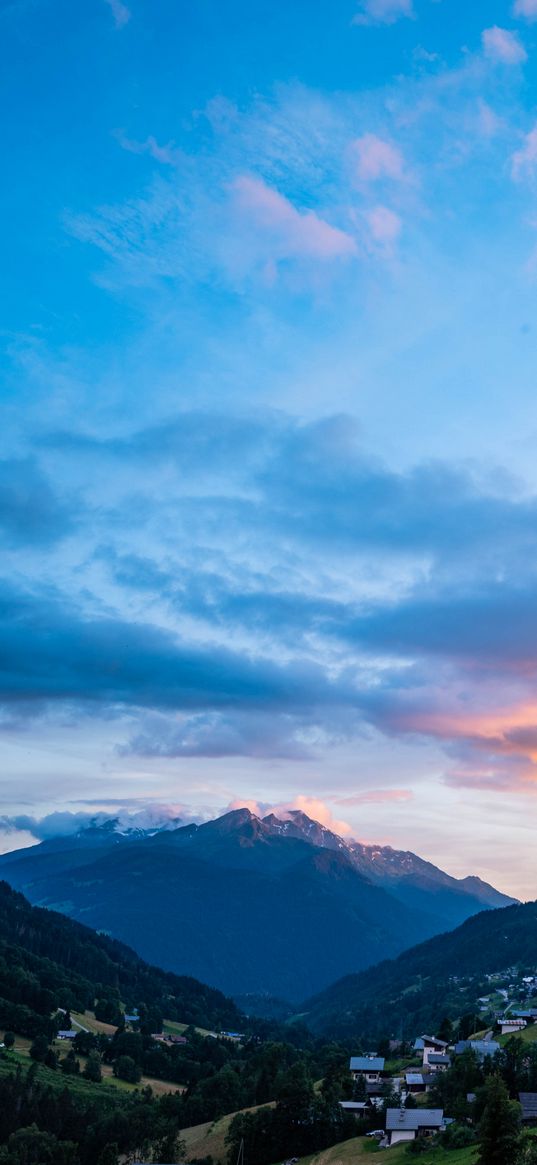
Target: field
<point>360,1148</point>
<point>20,1055</point>
<point>209,1139</point>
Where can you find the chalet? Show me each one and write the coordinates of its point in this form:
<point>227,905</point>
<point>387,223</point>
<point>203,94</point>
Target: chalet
<point>418,1081</point>
<point>357,1107</point>
<point>429,1046</point>
<point>438,1062</point>
<point>406,1124</point>
<point>528,1102</point>
<point>368,1068</point>
<point>510,1026</point>
<point>482,1048</point>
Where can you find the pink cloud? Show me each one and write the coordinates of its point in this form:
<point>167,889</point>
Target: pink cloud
<point>376,158</point>
<point>376,797</point>
<point>524,161</point>
<point>120,12</point>
<point>384,226</point>
<point>292,234</point>
<point>526,9</point>
<point>312,806</point>
<point>383,11</point>
<point>503,46</point>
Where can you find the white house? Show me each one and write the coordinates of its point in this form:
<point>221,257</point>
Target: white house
<point>405,1124</point>
<point>429,1046</point>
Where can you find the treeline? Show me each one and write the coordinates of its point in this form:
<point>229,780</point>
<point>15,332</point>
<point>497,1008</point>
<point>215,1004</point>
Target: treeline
<point>47,961</point>
<point>41,1125</point>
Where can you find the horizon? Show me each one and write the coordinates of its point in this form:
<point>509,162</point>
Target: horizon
<point>268,488</point>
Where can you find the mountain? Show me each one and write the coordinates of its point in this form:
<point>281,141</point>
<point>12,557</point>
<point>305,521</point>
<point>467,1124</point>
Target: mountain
<point>49,961</point>
<point>444,976</point>
<point>250,905</point>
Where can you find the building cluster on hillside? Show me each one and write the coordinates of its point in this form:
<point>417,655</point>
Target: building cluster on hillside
<point>374,1083</point>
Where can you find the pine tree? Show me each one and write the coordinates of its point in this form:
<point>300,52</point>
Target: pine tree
<point>499,1128</point>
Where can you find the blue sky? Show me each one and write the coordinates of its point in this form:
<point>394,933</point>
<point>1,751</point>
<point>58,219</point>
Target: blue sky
<point>268,488</point>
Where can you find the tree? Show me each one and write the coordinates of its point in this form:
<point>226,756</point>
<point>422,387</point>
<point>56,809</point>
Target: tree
<point>499,1127</point>
<point>92,1070</point>
<point>9,1039</point>
<point>125,1068</point>
<point>39,1049</point>
<point>70,1065</point>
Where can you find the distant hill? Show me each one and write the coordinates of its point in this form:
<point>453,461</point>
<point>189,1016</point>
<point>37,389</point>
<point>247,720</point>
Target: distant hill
<point>443,976</point>
<point>250,905</point>
<point>48,961</point>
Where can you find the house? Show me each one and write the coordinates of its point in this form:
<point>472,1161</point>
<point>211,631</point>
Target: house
<point>368,1068</point>
<point>510,1027</point>
<point>357,1107</point>
<point>429,1046</point>
<point>438,1062</point>
<point>134,1018</point>
<point>66,1035</point>
<point>415,1082</point>
<point>406,1124</point>
<point>482,1048</point>
<point>528,1101</point>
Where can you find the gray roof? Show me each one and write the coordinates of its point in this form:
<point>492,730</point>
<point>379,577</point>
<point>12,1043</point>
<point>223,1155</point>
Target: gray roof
<point>367,1064</point>
<point>353,1105</point>
<point>414,1077</point>
<point>528,1101</point>
<point>481,1047</point>
<point>433,1040</point>
<point>414,1118</point>
<point>438,1058</point>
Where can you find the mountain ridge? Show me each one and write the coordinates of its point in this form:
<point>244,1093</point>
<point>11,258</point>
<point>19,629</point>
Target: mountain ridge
<point>248,903</point>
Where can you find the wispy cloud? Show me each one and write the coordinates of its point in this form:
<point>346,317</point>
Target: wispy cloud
<point>503,46</point>
<point>526,9</point>
<point>383,11</point>
<point>120,12</point>
<point>377,159</point>
<point>524,160</point>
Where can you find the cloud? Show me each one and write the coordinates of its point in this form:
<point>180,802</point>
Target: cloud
<point>313,807</point>
<point>120,12</point>
<point>63,823</point>
<point>503,46</point>
<point>384,226</point>
<point>30,510</point>
<point>376,159</point>
<point>526,8</point>
<point>168,155</point>
<point>376,797</point>
<point>214,734</point>
<point>383,11</point>
<point>524,161</point>
<point>274,231</point>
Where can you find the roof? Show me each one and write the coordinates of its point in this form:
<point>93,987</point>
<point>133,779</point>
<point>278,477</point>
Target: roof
<point>367,1064</point>
<point>481,1047</point>
<point>414,1077</point>
<point>352,1105</point>
<point>438,1058</point>
<point>414,1118</point>
<point>67,1034</point>
<point>528,1101</point>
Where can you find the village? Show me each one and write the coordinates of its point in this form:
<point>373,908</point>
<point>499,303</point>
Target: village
<point>508,1010</point>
